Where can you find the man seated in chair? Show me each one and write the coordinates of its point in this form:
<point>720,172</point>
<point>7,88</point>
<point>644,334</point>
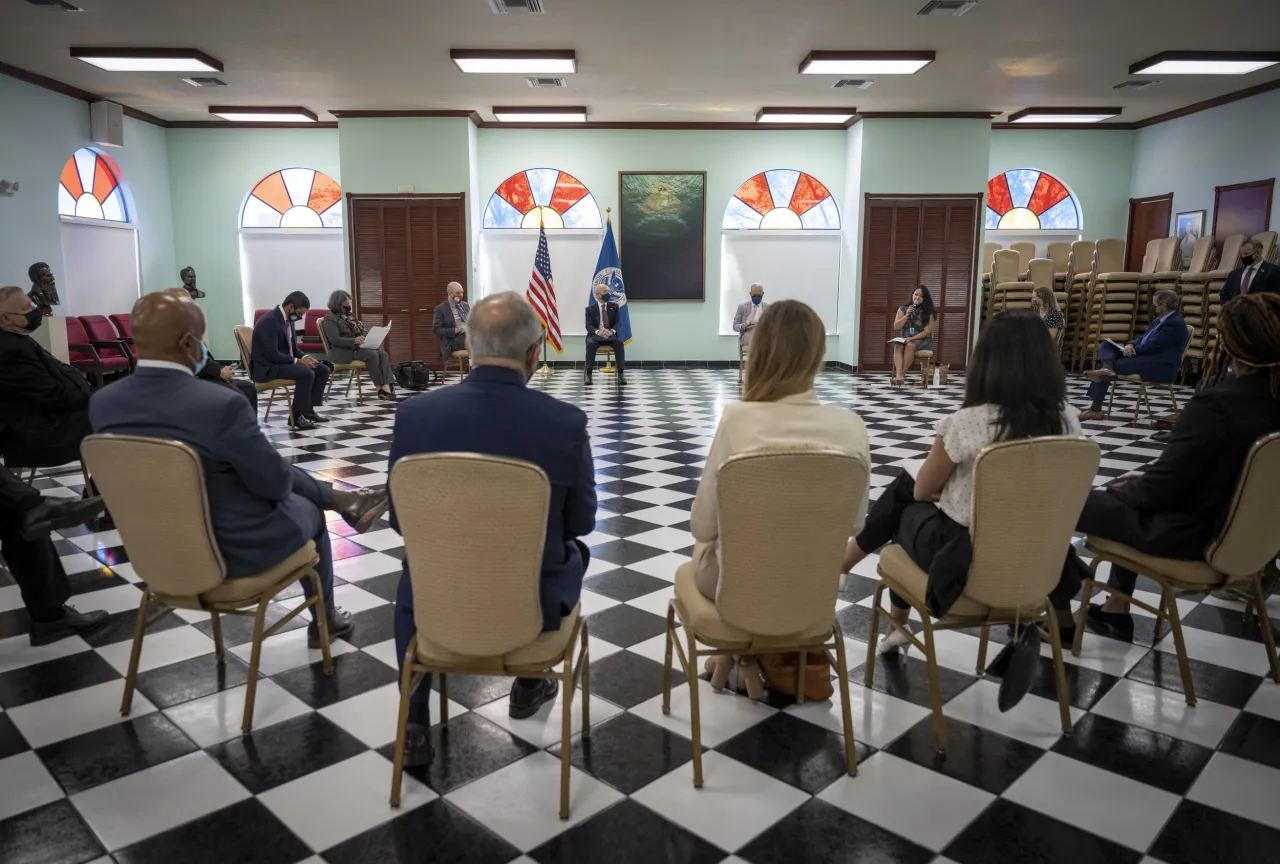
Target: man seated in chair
<point>494,413</point>
<point>1156,356</point>
<point>602,329</point>
<point>262,508</point>
<point>449,322</point>
<point>1176,508</point>
<point>276,355</point>
<point>222,373</point>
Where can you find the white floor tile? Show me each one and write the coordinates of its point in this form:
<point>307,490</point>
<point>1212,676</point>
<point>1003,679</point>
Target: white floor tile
<point>659,496</point>
<point>1033,720</point>
<point>126,571</point>
<point>521,802</point>
<point>1167,711</point>
<point>75,713</point>
<point>385,538</point>
<point>10,598</point>
<point>593,602</point>
<point>667,539</point>
<point>159,649</point>
<point>384,651</point>
<point>16,651</point>
<point>121,598</point>
<point>1098,801</point>
<point>959,651</point>
<point>734,805</point>
<point>26,784</point>
<point>366,566</point>
<point>655,602</point>
<point>1266,700</point>
<point>543,729</point>
<point>353,599</point>
<point>217,717</point>
<point>723,715</point>
<point>915,802</point>
<point>1110,656</point>
<point>661,566</point>
<point>289,650</point>
<point>140,805</point>
<point>661,515</point>
<point>1239,786</point>
<point>99,540</point>
<point>1220,650</point>
<point>371,716</point>
<point>878,718</point>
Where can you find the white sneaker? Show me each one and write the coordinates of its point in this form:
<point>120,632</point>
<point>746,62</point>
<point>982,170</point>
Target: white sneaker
<point>892,642</point>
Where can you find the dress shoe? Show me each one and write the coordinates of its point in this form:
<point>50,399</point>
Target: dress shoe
<point>339,625</point>
<point>526,699</point>
<point>1103,374</point>
<point>72,623</point>
<point>1113,625</point>
<point>51,514</point>
<point>315,418</point>
<point>588,382</point>
<point>386,395</point>
<point>1092,415</point>
<point>418,751</point>
<point>303,423</point>
<point>369,505</point>
<point>622,382</point>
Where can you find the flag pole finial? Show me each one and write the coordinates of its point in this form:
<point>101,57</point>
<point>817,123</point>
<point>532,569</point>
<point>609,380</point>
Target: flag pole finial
<point>607,211</point>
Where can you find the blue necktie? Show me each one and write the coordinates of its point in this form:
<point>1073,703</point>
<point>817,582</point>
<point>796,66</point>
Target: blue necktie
<point>1154,328</point>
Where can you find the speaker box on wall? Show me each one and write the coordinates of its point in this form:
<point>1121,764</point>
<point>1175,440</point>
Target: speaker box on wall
<point>106,123</point>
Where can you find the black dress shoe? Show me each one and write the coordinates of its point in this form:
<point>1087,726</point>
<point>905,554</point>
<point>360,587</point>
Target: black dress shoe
<point>51,514</point>
<point>588,382</point>
<point>387,395</point>
<point>72,623</point>
<point>1113,625</point>
<point>526,699</point>
<point>315,418</point>
<point>369,505</point>
<point>622,382</point>
<point>339,625</point>
<point>418,751</point>
<point>303,423</point>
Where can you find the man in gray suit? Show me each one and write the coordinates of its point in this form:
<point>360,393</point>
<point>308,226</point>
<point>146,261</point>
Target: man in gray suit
<point>450,322</point>
<point>748,315</point>
<point>263,509</point>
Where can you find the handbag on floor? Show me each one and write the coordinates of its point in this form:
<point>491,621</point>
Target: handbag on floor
<point>413,375</point>
<point>1018,665</point>
<point>780,674</point>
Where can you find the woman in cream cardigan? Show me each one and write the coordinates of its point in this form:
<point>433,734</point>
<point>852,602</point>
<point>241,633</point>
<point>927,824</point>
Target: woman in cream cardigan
<point>779,411</point>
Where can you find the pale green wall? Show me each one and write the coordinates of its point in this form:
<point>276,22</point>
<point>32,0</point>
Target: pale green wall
<point>1095,165</point>
<point>851,261</point>
<point>1236,143</point>
<point>683,331</point>
<point>144,161</point>
<point>211,173</point>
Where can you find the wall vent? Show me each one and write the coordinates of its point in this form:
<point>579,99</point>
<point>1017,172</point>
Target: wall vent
<point>516,7</point>
<point>859,83</point>
<point>546,82</point>
<point>947,8</point>
<point>1134,85</point>
<point>57,4</point>
<point>205,82</point>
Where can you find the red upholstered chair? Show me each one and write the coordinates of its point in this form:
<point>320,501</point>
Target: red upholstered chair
<point>309,338</point>
<point>258,313</point>
<point>83,356</point>
<point>124,326</point>
<point>112,352</point>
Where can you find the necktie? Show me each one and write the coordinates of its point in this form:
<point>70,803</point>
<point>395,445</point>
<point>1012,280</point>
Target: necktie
<point>462,313</point>
<point>604,316</point>
<point>1248,277</point>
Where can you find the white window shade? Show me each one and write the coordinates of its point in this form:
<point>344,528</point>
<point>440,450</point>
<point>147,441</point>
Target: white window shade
<point>101,269</point>
<point>802,266</point>
<point>274,262</point>
<point>506,262</point>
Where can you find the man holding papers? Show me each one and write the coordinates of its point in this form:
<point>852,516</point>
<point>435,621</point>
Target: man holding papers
<point>348,341</point>
<point>449,322</point>
<point>1156,356</point>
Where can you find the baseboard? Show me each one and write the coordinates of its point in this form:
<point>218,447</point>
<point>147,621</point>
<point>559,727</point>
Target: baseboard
<point>831,365</point>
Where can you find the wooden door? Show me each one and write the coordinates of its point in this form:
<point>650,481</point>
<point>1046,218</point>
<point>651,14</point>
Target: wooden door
<point>1244,208</point>
<point>907,242</point>
<point>1149,219</point>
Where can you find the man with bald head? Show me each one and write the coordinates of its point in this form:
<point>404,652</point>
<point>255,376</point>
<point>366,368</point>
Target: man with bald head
<point>263,509</point>
<point>450,321</point>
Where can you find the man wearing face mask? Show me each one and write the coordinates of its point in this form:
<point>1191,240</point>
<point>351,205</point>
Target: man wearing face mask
<point>44,290</point>
<point>263,509</point>
<point>1253,276</point>
<point>276,355</point>
<point>494,413</point>
<point>748,315</point>
<point>449,321</point>
<point>602,324</point>
<point>43,402</point>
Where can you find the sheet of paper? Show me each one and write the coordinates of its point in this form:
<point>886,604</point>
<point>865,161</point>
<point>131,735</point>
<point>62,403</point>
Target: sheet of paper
<point>902,339</point>
<point>374,337</point>
<point>1115,343</point>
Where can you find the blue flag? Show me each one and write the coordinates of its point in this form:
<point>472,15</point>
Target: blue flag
<point>609,274</point>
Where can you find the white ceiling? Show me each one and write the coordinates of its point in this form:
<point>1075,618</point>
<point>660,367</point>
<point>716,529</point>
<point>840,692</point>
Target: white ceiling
<point>643,60</point>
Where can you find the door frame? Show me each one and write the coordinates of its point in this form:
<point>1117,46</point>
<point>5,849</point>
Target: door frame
<point>1217,194</point>
<point>1134,203</point>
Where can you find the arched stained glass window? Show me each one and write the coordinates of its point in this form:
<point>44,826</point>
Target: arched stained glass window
<point>294,198</point>
<point>546,195</point>
<point>781,199</point>
<point>1029,199</point>
<point>90,189</point>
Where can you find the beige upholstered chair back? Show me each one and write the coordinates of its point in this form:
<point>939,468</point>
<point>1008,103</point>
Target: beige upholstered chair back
<point>473,531</point>
<point>1026,251</point>
<point>1027,496</point>
<point>1267,239</point>
<point>1081,257</point>
<point>244,339</point>
<point>1040,272</point>
<point>1005,266</point>
<point>1060,255</point>
<point>1108,257</point>
<point>1150,257</point>
<point>324,337</point>
<point>1166,254</point>
<point>988,255</point>
<point>1230,258</point>
<point>1251,534</point>
<point>1201,255</point>
<point>155,491</point>
<point>785,518</point>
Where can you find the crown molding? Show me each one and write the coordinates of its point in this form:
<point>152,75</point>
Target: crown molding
<point>1217,101</point>
<point>1104,126</point>
<point>227,124</point>
<point>928,115</point>
<point>473,116</point>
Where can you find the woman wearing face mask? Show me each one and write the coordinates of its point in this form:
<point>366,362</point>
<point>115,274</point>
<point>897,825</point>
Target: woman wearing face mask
<point>345,335</point>
<point>914,322</point>
<point>1045,304</point>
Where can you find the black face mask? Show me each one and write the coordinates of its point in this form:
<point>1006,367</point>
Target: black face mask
<point>34,318</point>
<point>346,310</point>
<point>1246,260</point>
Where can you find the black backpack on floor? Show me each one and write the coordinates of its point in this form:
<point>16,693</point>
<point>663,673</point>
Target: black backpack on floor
<point>414,375</point>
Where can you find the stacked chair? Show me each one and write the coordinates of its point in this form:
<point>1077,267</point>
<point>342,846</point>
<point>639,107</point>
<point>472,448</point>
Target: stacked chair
<point>1026,251</point>
<point>1076,283</point>
<point>1008,291</point>
<point>1200,294</point>
<point>1110,302</point>
<point>1162,257</point>
<point>989,251</point>
<point>1190,293</point>
<point>1060,255</point>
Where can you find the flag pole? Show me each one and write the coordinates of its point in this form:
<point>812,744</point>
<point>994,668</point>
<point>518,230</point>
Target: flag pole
<point>546,371</point>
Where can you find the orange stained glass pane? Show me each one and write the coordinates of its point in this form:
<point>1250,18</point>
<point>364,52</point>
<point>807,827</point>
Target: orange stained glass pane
<point>808,193</point>
<point>1047,193</point>
<point>755,194</point>
<point>569,191</point>
<point>325,192</point>
<point>515,189</point>
<point>71,178</point>
<point>272,192</point>
<point>104,182</point>
<point>998,198</point>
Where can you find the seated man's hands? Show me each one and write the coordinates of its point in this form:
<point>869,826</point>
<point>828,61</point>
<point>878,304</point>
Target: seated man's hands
<point>226,374</point>
<point>309,362</point>
<point>1129,351</point>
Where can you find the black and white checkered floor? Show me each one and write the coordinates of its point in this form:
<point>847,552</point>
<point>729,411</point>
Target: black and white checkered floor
<point>1145,778</point>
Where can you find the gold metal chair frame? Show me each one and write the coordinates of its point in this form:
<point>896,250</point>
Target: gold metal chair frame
<point>271,386</point>
<point>744,351</point>
<point>1143,397</point>
<point>353,370</point>
<point>457,359</point>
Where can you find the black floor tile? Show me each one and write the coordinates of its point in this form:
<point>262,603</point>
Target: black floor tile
<point>1010,832</point>
<point>11,741</point>
<point>1214,683</point>
<point>624,626</point>
<point>627,679</point>
<point>353,674</point>
<point>384,586</point>
<point>1254,737</point>
<point>628,753</point>
<point>85,583</point>
<point>52,834</point>
<point>245,831</point>
<point>624,553</point>
<point>372,625</point>
<point>622,506</point>
<point>196,678</point>
<point>53,678</point>
<point>905,676</point>
<point>623,584</point>
<point>238,629</point>
<point>649,838</point>
<point>858,587</point>
<point>285,751</point>
<point>820,833</point>
<point>469,748</point>
<point>793,751</point>
<point>472,691</point>
<point>855,622</point>
<point>1196,833</point>
<point>1139,754</point>
<point>1084,686</point>
<point>974,755</point>
<point>437,832</point>
<point>1228,622</point>
<point>119,627</point>
<point>114,751</point>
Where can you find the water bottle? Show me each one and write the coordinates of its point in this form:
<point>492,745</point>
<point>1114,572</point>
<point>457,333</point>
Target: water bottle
<point>937,377</point>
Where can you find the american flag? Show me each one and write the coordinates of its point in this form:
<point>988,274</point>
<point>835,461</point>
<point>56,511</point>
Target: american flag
<point>542,291</point>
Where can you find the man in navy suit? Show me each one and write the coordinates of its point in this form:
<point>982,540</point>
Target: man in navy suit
<point>263,509</point>
<point>1253,276</point>
<point>276,355</point>
<point>493,412</point>
<point>1157,356</point>
<point>602,329</point>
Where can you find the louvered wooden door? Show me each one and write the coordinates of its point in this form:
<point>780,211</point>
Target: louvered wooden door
<point>404,251</point>
<point>913,241</point>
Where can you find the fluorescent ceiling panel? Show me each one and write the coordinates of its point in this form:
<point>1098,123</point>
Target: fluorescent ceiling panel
<point>148,59</point>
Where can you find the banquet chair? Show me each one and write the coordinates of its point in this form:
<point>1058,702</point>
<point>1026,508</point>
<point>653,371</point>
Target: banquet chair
<point>1008,290</point>
<point>1201,299</point>
<point>1142,383</point>
<point>460,360</point>
<point>353,370</point>
<point>244,338</point>
<point>1080,265</point>
<point>124,326</point>
<point>1026,251</point>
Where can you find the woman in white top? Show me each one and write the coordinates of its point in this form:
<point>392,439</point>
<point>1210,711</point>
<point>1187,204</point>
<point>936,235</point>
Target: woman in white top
<point>779,411</point>
<point>1014,388</point>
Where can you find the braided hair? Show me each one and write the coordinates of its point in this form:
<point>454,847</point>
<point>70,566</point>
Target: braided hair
<point>1249,334</point>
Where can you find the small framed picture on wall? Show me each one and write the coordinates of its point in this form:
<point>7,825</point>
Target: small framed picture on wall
<point>662,236</point>
<point>1188,227</point>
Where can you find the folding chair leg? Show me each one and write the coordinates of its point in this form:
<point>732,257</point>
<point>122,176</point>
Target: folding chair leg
<point>695,717</point>
<point>1171,610</point>
<point>218,650</point>
<point>1078,642</point>
<point>666,665</point>
<point>322,617</point>
<point>842,671</point>
<point>131,678</point>
<point>935,687</point>
<point>584,660</point>
<point>444,699</point>
<point>1060,672</point>
<point>251,688</point>
<point>271,398</point>
<point>1264,622</point>
<point>804,656</point>
<point>566,730</point>
<point>869,671</point>
<point>402,724</point>
<point>982,649</point>
<point>1173,399</point>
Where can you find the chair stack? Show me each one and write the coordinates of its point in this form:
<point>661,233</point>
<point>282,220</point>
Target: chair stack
<point>989,251</point>
<point>1076,284</point>
<point>1201,300</point>
<point>1162,257</point>
<point>1191,294</point>
<point>1060,255</point>
<point>1008,291</point>
<point>1111,302</point>
<point>1026,251</point>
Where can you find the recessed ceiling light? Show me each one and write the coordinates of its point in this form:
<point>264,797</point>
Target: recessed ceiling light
<point>255,114</point>
<point>805,115</point>
<point>148,59</point>
<point>543,114</point>
<point>515,62</point>
<point>866,62</point>
<point>1205,63</point>
<point>1063,115</point>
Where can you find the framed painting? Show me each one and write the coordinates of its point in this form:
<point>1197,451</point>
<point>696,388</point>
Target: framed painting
<point>1188,227</point>
<point>663,234</point>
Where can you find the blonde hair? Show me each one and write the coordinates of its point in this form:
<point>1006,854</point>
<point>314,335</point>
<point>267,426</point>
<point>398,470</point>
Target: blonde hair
<point>1045,295</point>
<point>786,352</point>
